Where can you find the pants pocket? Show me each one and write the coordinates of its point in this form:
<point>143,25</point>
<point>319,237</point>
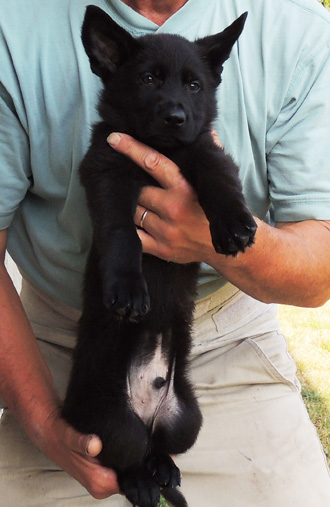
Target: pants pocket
<point>245,366</point>
<point>272,351</point>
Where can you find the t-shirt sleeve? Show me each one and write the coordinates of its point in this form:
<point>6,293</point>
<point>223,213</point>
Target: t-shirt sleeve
<point>15,173</point>
<point>298,144</point>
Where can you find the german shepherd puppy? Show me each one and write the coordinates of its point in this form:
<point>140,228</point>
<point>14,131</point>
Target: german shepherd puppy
<point>129,381</point>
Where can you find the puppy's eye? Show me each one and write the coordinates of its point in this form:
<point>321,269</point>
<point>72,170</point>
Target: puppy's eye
<point>148,78</point>
<point>194,86</point>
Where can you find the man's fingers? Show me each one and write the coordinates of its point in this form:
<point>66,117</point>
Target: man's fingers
<point>87,445</point>
<point>93,446</point>
<point>157,165</point>
<point>150,245</point>
<point>216,138</point>
<point>147,220</point>
<point>140,215</point>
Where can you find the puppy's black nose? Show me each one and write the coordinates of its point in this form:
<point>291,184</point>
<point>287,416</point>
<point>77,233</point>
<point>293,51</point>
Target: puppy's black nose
<point>175,117</point>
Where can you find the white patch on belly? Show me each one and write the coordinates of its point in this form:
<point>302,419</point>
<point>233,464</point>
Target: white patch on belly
<point>150,387</point>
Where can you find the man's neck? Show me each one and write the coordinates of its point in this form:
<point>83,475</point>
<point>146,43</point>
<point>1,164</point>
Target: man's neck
<point>157,11</point>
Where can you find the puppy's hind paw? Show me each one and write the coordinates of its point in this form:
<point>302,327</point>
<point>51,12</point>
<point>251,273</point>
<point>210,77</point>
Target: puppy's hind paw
<point>139,488</point>
<point>164,471</point>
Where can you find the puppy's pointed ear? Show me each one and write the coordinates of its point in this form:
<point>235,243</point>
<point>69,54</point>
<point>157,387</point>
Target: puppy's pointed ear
<point>216,48</point>
<point>106,43</point>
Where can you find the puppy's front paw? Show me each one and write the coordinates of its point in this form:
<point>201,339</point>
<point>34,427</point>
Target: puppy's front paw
<point>233,233</point>
<point>127,295</point>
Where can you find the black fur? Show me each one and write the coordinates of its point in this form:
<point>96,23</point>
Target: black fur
<point>161,90</point>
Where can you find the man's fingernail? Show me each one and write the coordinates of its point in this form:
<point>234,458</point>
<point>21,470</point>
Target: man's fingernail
<point>114,139</point>
<point>87,444</point>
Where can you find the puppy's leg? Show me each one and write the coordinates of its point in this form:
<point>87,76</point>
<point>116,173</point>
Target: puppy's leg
<point>117,249</point>
<point>97,399</point>
<point>215,178</point>
<point>97,403</point>
<point>178,420</point>
<point>220,194</point>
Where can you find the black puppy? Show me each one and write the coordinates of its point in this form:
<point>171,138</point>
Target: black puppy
<point>129,382</point>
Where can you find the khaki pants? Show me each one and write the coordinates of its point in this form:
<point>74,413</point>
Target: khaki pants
<point>257,447</point>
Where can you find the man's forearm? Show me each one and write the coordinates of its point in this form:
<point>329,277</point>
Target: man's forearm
<point>288,264</point>
<point>26,384</point>
<point>27,387</point>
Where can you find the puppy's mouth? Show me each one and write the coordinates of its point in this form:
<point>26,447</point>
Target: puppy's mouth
<point>166,140</point>
<point>168,137</point>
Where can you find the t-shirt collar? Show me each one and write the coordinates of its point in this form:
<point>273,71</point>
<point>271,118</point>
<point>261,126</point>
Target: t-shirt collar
<point>137,25</point>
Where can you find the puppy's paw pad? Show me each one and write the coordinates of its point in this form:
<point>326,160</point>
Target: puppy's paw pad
<point>233,234</point>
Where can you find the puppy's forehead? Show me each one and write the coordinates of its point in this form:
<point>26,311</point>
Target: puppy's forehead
<point>170,52</point>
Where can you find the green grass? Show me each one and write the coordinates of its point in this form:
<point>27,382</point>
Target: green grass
<point>326,3</point>
<point>308,335</point>
<point>162,503</point>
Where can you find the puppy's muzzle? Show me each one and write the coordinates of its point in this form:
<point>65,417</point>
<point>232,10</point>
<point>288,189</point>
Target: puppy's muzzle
<point>175,116</point>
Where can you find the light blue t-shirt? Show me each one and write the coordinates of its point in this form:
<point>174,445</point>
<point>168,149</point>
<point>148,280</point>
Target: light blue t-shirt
<point>274,119</point>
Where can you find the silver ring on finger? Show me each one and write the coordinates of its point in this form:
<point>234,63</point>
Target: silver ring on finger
<point>142,219</point>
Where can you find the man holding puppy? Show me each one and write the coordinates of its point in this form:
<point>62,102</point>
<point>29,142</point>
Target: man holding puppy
<point>257,446</point>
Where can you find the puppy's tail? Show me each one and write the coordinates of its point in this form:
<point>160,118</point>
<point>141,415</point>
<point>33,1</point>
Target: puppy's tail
<point>174,497</point>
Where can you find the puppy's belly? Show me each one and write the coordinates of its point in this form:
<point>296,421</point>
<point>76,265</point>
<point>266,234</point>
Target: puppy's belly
<point>150,388</point>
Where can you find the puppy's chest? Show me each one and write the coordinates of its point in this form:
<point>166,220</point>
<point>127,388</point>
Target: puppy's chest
<point>183,156</point>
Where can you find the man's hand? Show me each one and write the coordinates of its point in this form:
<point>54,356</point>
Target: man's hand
<point>175,227</point>
<point>77,454</point>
